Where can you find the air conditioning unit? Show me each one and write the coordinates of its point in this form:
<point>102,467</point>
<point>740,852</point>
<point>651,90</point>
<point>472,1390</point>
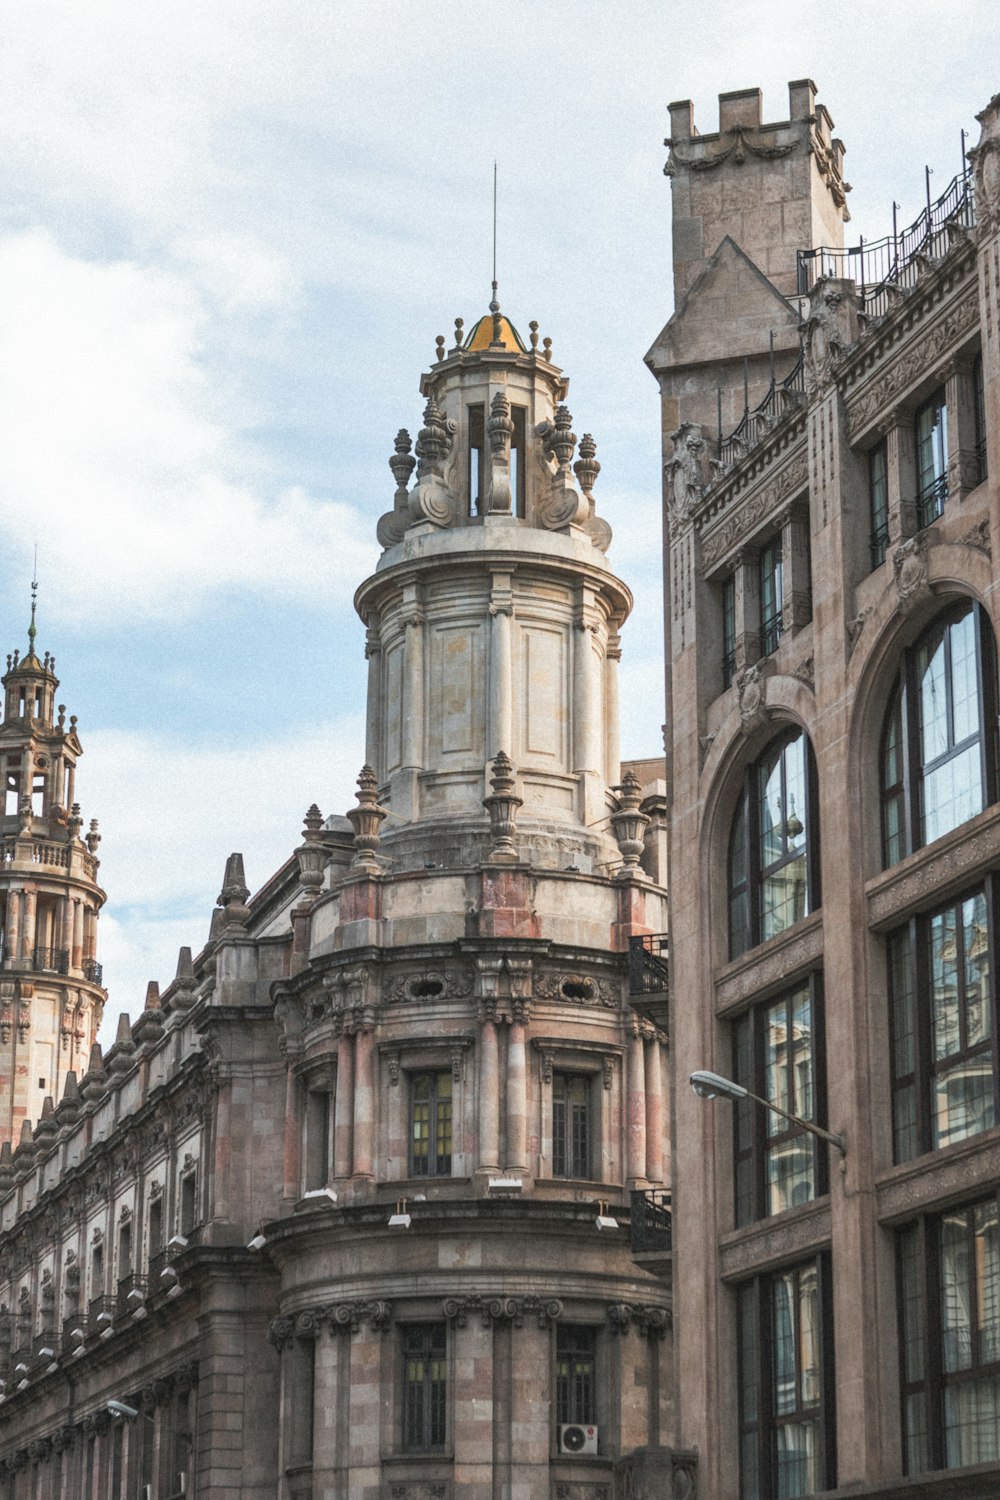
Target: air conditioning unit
<point>577,1437</point>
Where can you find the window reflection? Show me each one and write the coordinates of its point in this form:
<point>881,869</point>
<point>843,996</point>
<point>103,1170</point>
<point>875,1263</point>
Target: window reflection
<point>769,878</point>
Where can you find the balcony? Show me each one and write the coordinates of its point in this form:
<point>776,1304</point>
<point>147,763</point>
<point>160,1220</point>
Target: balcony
<point>931,499</point>
<point>50,960</point>
<point>652,1229</point>
<point>74,1332</point>
<point>131,1295</point>
<point>648,969</point>
<point>93,971</point>
<point>100,1314</point>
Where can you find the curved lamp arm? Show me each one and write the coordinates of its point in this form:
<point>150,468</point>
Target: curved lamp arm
<point>714,1086</point>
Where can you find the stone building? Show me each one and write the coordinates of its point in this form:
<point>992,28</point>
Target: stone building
<point>371,1200</point>
<point>831,561</point>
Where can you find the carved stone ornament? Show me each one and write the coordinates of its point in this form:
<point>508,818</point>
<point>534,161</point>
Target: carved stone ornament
<point>502,806</point>
<point>628,822</point>
<point>985,158</point>
<point>687,472</point>
<point>754,511</point>
<point>586,470</point>
<point>431,499</point>
<point>978,537</point>
<point>751,687</point>
<point>829,330</point>
<point>742,145</point>
<point>909,569</point>
<point>366,819</point>
<point>563,505</point>
<point>915,364</point>
<point>392,526</point>
<point>494,1309</point>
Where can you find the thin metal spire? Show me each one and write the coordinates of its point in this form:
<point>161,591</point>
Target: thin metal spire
<point>34,597</point>
<point>495,304</point>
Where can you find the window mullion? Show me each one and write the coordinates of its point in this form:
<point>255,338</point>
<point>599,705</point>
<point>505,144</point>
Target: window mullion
<point>934,1352</point>
<point>919,959</point>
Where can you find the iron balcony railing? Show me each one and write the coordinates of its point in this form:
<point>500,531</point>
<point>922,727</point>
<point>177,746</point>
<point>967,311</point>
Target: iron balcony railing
<point>651,1222</point>
<point>93,971</point>
<point>879,544</point>
<point>770,634</point>
<point>51,960</point>
<point>757,421</point>
<point>131,1295</point>
<point>894,263</point>
<point>74,1331</point>
<point>648,967</point>
<point>100,1314</point>
<point>930,501</point>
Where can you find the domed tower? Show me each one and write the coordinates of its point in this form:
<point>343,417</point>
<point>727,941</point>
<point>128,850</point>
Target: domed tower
<point>481,1098</point>
<point>51,997</point>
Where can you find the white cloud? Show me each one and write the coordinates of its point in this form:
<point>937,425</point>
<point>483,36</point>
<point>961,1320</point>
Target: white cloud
<point>123,456</point>
<point>171,813</point>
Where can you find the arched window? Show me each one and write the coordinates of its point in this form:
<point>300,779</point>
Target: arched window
<point>938,766</point>
<point>773,848</point>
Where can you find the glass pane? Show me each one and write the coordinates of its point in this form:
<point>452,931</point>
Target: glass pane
<point>952,794</point>
<point>771,812</point>
<point>809,1335</point>
<point>976,952</point>
<point>783,1333</point>
<point>944,983</point>
<point>972,1422</point>
<point>784,898</point>
<point>933,696</point>
<point>956,1311</point>
<point>901,983</point>
<point>964,678</point>
<point>915,1409</point>
<point>963,1099</point>
<point>987,1255</point>
<point>797,1469</point>
<point>913,1305</point>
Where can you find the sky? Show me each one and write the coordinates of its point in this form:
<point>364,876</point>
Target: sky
<point>229,234</point>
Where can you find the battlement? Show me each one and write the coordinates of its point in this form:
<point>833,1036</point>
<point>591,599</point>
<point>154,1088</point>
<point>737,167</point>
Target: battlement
<point>774,187</point>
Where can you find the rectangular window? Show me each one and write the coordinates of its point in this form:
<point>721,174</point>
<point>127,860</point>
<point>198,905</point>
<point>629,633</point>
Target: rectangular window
<point>949,1338</point>
<point>425,1387</point>
<point>155,1226</point>
<point>771,586</point>
<point>519,415</point>
<point>931,432</point>
<point>979,417</point>
<point>124,1251</point>
<point>728,631</point>
<point>785,1343</point>
<point>571,1133</point>
<point>189,1200</point>
<point>878,503</point>
<point>317,1152</point>
<point>430,1124</point>
<point>576,1362</point>
<point>943,1025</point>
<point>477,443</point>
<point>778,1051</point>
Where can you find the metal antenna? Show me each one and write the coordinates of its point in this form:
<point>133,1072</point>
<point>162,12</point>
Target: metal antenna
<point>495,305</point>
<point>34,595</point>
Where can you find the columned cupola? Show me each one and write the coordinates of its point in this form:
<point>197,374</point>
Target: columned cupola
<point>51,997</point>
<point>493,616</point>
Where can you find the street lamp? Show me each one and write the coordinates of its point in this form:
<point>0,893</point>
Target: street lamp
<point>714,1086</point>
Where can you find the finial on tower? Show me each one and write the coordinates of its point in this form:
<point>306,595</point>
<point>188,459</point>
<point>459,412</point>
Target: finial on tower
<point>34,599</point>
<point>494,304</point>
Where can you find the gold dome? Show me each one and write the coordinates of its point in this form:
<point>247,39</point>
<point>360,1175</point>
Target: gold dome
<point>481,336</point>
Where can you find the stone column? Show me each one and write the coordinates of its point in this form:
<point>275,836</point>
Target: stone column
<point>501,701</point>
<point>223,1143</point>
<point>746,599</point>
<point>292,1172</point>
<point>374,707</point>
<point>76,959</point>
<point>654,1111</point>
<point>343,1133</point>
<point>796,583</point>
<point>636,1108</point>
<point>364,1101</point>
<point>413,691</point>
<point>13,924</point>
<point>901,471</point>
<point>960,405</point>
<point>517,1100</point>
<point>30,907</point>
<point>612,712</point>
<point>489,1097</point>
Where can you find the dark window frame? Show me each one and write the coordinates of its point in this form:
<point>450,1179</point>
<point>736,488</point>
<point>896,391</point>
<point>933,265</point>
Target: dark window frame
<point>902,800</point>
<point>757,1404</point>
<point>878,502</point>
<point>759,1136</point>
<point>576,1389</point>
<point>745,891</point>
<point>931,455</point>
<point>979,418</point>
<point>924,1379</point>
<point>770,568</point>
<point>424,1350</point>
<point>728,630</point>
<point>573,1133</point>
<point>911,1012</point>
<point>435,1116</point>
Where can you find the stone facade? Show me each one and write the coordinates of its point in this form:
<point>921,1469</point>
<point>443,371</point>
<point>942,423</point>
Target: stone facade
<point>831,574</point>
<point>371,1201</point>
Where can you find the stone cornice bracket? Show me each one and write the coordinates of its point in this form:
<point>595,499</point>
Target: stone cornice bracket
<point>495,1308</point>
<point>909,571</point>
<point>392,526</point>
<point>686,472</point>
<point>431,499</point>
<point>366,819</point>
<point>751,685</point>
<point>985,159</point>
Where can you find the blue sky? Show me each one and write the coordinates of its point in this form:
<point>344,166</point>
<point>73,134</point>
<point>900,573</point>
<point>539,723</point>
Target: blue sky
<point>228,237</point>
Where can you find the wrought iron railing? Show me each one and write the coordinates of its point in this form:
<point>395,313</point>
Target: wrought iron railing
<point>930,501</point>
<point>757,421</point>
<point>93,971</point>
<point>131,1294</point>
<point>648,967</point>
<point>651,1221</point>
<point>51,960</point>
<point>770,633</point>
<point>74,1331</point>
<point>100,1314</point>
<point>879,544</point>
<point>894,263</point>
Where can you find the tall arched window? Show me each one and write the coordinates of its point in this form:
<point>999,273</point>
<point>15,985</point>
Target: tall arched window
<point>938,762</point>
<point>773,847</point>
